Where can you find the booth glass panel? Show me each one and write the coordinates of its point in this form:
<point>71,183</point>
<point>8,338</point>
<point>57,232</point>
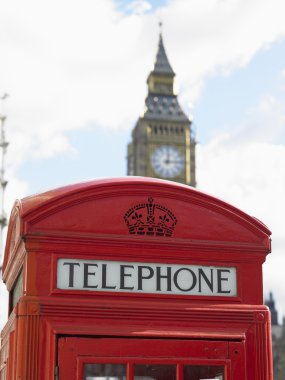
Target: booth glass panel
<point>105,371</point>
<point>203,372</point>
<point>154,372</point>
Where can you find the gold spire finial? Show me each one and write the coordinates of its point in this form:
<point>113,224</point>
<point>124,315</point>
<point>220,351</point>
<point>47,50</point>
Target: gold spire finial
<point>160,24</point>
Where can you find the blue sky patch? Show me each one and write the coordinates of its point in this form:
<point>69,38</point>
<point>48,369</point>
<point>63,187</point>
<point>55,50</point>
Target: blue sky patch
<point>128,7</point>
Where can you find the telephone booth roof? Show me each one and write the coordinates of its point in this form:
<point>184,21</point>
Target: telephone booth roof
<point>107,208</point>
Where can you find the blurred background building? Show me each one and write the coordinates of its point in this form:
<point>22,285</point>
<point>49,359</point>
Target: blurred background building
<point>163,145</point>
<point>278,340</point>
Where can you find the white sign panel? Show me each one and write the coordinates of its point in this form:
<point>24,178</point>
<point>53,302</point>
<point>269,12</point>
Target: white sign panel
<point>153,278</point>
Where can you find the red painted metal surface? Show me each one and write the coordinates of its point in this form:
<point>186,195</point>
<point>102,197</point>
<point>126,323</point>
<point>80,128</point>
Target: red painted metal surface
<point>97,221</point>
<point>75,353</point>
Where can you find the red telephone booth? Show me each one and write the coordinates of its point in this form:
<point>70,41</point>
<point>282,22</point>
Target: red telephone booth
<point>134,278</point>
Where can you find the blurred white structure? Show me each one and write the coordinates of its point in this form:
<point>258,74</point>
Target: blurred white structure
<point>3,181</point>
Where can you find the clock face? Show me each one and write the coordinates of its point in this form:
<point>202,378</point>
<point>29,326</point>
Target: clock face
<point>167,161</point>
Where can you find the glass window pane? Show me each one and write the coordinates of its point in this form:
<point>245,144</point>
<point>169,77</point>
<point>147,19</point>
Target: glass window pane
<point>104,371</point>
<point>154,372</point>
<point>203,372</point>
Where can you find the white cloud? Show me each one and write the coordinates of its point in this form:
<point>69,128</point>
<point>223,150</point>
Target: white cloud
<point>4,305</point>
<point>218,36</point>
<point>139,6</point>
<point>250,175</point>
<point>264,122</point>
<point>252,178</point>
<point>246,169</point>
<point>246,166</point>
<point>67,64</point>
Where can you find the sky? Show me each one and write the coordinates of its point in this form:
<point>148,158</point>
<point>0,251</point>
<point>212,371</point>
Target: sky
<point>76,71</point>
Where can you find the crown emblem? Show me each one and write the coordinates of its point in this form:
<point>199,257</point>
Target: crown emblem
<point>150,219</point>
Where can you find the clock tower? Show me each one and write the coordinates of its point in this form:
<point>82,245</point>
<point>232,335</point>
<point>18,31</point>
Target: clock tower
<point>163,145</point>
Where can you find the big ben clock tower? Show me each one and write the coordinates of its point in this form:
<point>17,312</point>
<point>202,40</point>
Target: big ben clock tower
<point>162,143</point>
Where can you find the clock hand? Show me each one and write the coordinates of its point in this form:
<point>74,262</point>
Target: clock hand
<point>173,161</point>
<point>167,154</point>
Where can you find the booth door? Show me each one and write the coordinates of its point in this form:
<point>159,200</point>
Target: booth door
<point>149,359</point>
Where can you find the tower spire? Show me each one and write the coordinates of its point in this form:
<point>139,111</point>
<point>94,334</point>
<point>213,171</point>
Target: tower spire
<point>161,78</point>
<point>162,65</point>
<point>160,24</point>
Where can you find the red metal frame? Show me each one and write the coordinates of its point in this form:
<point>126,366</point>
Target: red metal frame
<point>86,221</point>
<point>75,352</point>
